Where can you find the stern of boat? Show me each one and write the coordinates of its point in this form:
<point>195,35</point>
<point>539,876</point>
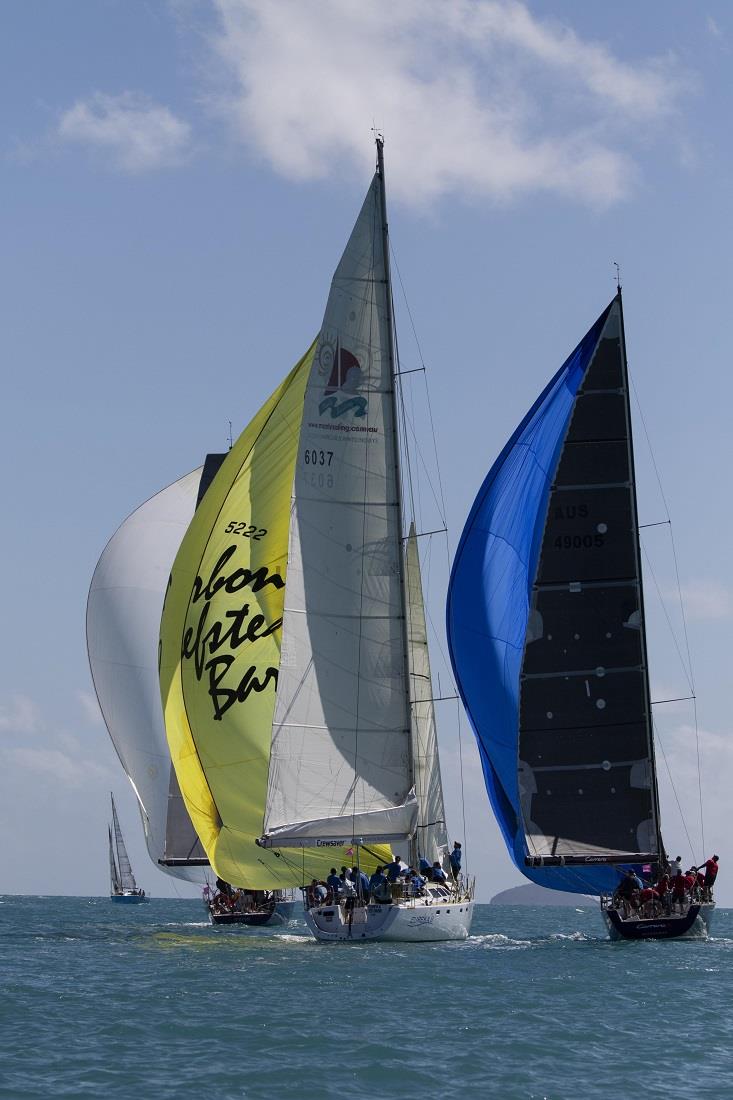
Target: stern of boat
<point>440,915</point>
<point>692,923</point>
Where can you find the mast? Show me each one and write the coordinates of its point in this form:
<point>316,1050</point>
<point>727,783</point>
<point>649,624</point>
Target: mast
<point>637,551</point>
<point>398,478</point>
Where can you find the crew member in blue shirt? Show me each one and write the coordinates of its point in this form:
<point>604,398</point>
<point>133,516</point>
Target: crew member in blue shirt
<point>417,883</point>
<point>437,873</point>
<point>379,887</point>
<point>394,869</point>
<point>424,866</point>
<point>455,859</point>
<point>334,884</point>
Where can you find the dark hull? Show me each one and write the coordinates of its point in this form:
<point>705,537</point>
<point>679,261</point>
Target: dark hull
<point>694,923</point>
<point>252,919</point>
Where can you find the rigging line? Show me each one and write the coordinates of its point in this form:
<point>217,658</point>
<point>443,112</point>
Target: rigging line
<point>674,789</point>
<point>460,767</point>
<point>669,622</point>
<point>427,388</point>
<point>406,479</point>
<point>439,503</point>
<point>424,534</point>
<point>679,699</point>
<point>407,304</point>
<point>661,523</point>
<point>699,777</point>
<point>671,531</point>
<point>437,464</point>
<point>443,517</point>
<point>400,394</point>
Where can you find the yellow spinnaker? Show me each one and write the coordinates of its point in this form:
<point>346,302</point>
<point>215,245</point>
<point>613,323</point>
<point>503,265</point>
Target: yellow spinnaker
<point>220,650</point>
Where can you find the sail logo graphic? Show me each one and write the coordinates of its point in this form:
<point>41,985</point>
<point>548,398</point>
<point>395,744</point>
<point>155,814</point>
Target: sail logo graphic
<point>225,624</point>
<point>345,376</point>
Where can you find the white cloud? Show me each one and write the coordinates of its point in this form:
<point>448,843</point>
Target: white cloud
<point>90,707</point>
<point>477,97</point>
<point>707,599</point>
<point>53,752</point>
<point>21,716</point>
<point>136,134</point>
<point>677,755</point>
<point>67,770</point>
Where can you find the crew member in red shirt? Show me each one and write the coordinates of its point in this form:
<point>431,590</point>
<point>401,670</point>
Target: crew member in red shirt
<point>662,889</point>
<point>711,873</point>
<point>647,897</point>
<point>679,885</point>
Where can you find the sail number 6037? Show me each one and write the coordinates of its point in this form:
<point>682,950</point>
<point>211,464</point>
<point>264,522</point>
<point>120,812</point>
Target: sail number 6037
<point>246,530</point>
<point>318,458</point>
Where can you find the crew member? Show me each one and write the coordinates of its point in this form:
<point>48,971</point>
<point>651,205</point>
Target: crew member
<point>333,882</point>
<point>711,873</point>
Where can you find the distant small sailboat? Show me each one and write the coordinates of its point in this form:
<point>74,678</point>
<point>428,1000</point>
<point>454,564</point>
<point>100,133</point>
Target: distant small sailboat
<point>294,674</point>
<point>547,639</point>
<point>122,881</point>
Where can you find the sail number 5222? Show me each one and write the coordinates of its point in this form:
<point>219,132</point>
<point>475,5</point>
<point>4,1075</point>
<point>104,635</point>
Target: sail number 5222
<point>246,530</point>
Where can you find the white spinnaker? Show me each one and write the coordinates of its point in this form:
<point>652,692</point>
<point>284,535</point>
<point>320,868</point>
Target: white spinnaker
<point>123,623</point>
<point>432,835</point>
<point>341,732</point>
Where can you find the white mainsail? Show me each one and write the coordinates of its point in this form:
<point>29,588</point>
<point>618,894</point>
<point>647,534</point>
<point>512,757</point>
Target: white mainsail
<point>114,878</point>
<point>340,761</point>
<point>432,836</point>
<point>123,617</point>
<point>126,878</point>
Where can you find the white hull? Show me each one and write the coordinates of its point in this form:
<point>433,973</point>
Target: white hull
<point>423,920</point>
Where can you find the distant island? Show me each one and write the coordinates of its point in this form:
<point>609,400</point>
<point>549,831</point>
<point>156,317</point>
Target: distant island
<point>539,895</point>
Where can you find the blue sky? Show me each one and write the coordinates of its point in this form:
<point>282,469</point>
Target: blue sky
<point>178,182</point>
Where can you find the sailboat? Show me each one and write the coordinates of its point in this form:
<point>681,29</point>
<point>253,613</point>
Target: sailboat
<point>547,639</point>
<point>123,623</point>
<point>122,881</point>
<point>293,660</point>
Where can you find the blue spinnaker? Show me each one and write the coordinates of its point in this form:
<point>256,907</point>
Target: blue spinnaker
<point>489,602</point>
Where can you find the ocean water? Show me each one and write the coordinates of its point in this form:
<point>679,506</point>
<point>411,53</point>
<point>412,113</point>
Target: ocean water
<point>101,1000</point>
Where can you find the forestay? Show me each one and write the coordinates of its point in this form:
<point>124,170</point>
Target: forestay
<point>546,631</point>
